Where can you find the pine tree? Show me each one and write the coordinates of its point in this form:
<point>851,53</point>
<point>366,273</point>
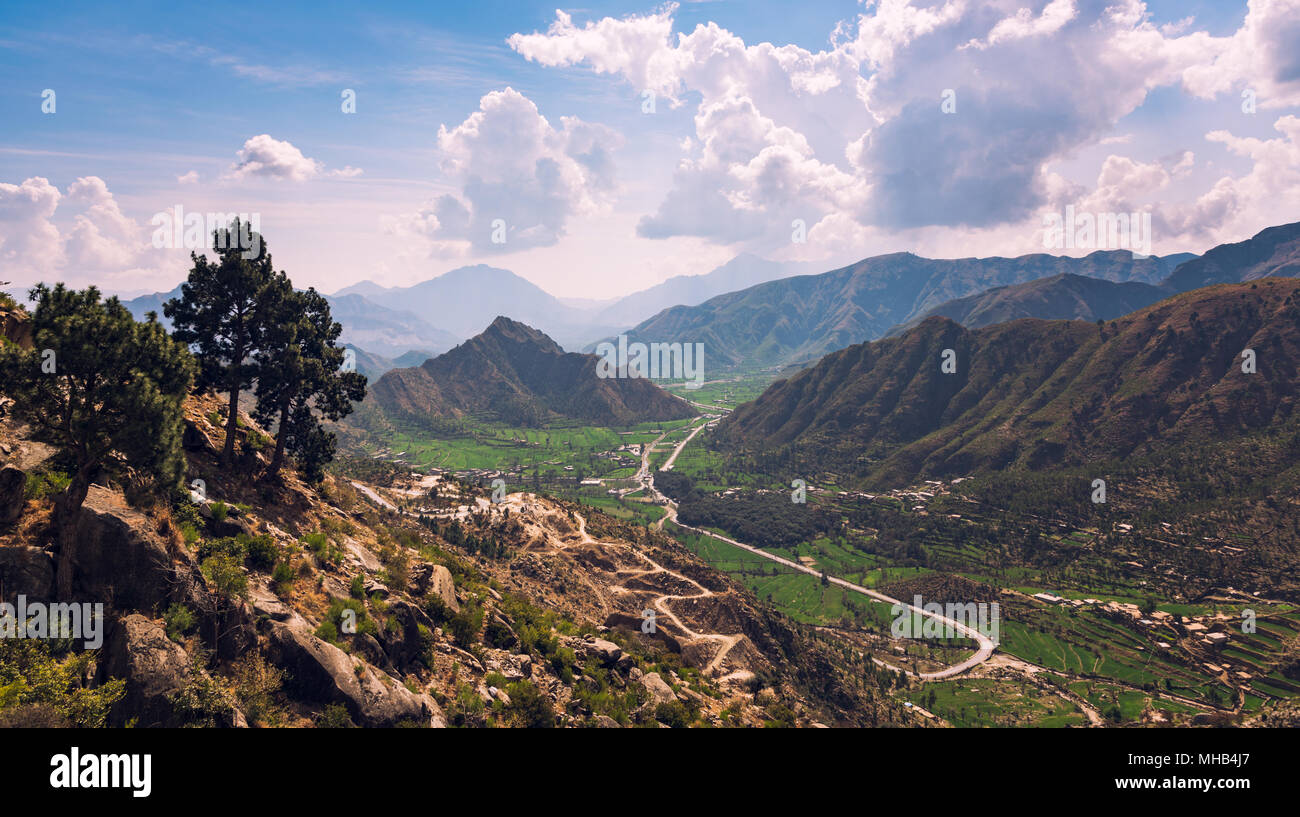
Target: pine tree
<point>223,314</point>
<point>298,377</point>
<point>102,386</point>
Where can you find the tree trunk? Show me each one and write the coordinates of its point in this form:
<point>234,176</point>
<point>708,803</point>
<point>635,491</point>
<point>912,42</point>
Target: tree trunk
<point>67,510</point>
<point>281,437</point>
<point>232,424</point>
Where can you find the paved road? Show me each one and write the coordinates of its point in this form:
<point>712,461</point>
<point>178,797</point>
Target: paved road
<point>986,645</point>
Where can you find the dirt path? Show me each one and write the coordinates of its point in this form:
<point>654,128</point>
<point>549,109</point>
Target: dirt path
<point>660,603</point>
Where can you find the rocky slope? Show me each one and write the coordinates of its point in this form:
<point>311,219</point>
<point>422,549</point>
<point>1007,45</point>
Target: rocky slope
<point>247,604</point>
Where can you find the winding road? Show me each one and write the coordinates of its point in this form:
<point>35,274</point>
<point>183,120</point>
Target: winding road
<point>986,644</point>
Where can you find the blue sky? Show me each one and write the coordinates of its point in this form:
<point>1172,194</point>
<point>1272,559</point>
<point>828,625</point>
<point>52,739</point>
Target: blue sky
<point>827,113</point>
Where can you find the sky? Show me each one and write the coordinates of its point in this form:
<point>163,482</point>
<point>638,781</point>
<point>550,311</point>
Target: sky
<point>598,151</point>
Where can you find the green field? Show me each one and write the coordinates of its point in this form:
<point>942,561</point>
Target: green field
<point>486,446</point>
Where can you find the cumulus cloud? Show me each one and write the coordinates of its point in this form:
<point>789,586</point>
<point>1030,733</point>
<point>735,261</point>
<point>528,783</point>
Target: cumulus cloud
<point>80,234</point>
<point>265,157</point>
<point>855,134</point>
<point>29,241</point>
<point>1261,56</point>
<point>1024,24</point>
<point>517,177</point>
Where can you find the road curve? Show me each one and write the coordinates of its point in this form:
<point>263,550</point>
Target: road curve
<point>986,644</point>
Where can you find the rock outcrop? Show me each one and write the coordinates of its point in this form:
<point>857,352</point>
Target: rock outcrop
<point>322,673</point>
<point>119,560</point>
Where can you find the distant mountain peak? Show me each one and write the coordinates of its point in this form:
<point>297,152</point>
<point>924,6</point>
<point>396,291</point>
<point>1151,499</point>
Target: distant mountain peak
<point>521,376</point>
<point>505,328</point>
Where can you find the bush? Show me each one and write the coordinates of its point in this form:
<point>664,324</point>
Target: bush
<point>219,512</point>
<point>529,707</point>
<point>44,484</point>
<point>226,575</point>
<point>674,714</point>
<point>465,625</point>
<point>256,683</point>
<point>33,681</point>
<point>498,634</point>
<point>179,620</point>
<point>332,627</point>
<point>357,589</point>
<point>262,551</point>
<point>234,547</point>
<point>282,575</point>
<point>335,716</point>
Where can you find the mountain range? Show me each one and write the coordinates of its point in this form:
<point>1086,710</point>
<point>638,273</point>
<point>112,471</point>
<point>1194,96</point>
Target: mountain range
<point>1274,251</point>
<point>517,375</point>
<point>1034,393</point>
<point>806,316</point>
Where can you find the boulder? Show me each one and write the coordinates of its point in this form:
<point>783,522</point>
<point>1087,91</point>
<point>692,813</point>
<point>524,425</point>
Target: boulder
<point>513,667</point>
<point>16,327</point>
<point>118,559</point>
<point>155,668</point>
<point>13,481</point>
<point>26,571</point>
<point>322,673</point>
<point>660,692</point>
<point>426,578</point>
<point>606,653</point>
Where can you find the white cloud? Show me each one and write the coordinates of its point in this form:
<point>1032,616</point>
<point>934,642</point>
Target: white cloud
<point>510,165</point>
<point>29,241</point>
<point>265,157</point>
<point>1024,24</point>
<point>191,177</point>
<point>856,135</point>
<point>1261,56</point>
<point>80,235</point>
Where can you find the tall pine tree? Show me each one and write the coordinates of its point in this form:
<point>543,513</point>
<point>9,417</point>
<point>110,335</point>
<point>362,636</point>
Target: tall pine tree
<point>223,314</point>
<point>298,377</point>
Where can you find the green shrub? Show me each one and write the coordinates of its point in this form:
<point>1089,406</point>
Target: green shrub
<point>316,542</point>
<point>498,634</point>
<point>338,611</point>
<point>358,587</point>
<point>465,625</point>
<point>282,575</point>
<point>31,677</point>
<point>219,511</point>
<point>179,620</point>
<point>262,551</point>
<point>235,547</point>
<point>335,716</point>
<point>226,575</point>
<point>674,714</point>
<point>44,484</point>
<point>529,707</point>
